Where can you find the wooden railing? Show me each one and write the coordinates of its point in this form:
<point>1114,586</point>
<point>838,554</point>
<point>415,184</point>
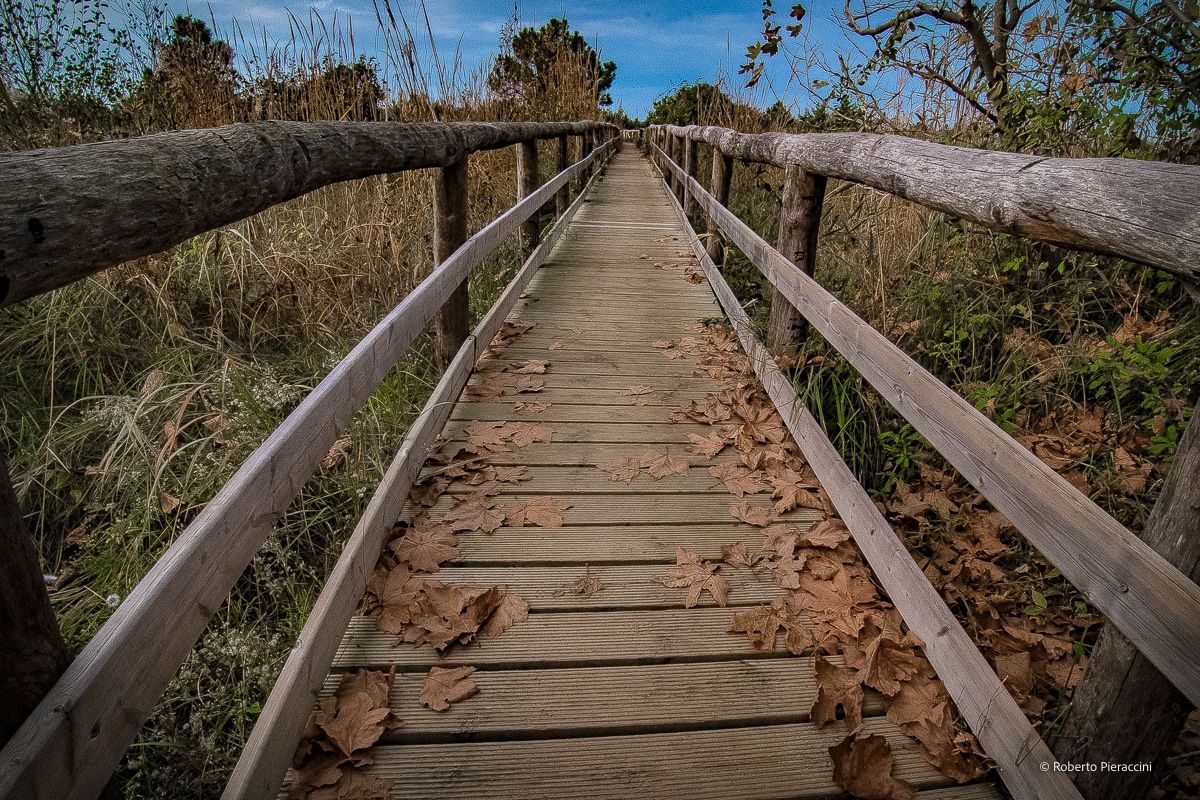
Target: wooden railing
<point>73,211</point>
<point>1148,212</point>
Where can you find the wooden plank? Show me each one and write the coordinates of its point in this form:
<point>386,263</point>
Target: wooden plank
<point>783,761</point>
<point>585,545</point>
<point>1152,603</point>
<point>591,480</point>
<point>671,399</point>
<point>610,432</point>
<point>982,699</point>
<point>70,211</point>
<point>268,751</point>
<point>616,385</point>
<point>609,701</point>
<point>1146,211</point>
<point>588,455</point>
<point>630,508</point>
<point>558,413</point>
<point>638,586</point>
<point>568,639</point>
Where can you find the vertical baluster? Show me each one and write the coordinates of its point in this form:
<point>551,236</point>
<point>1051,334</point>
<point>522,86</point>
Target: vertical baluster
<point>722,174</point>
<point>449,232</point>
<point>527,184</point>
<point>799,223</point>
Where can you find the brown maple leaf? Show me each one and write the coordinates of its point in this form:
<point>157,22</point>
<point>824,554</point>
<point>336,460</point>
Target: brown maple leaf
<point>662,344</point>
<point>747,513</point>
<point>761,626</point>
<point>354,784</point>
<point>779,541</point>
<point>622,469</point>
<point>638,393</point>
<point>353,723</point>
<point>534,366</point>
<point>826,533</point>
<point>532,407</point>
<point>512,609</point>
<point>660,465</point>
<point>736,555</point>
<point>528,383</point>
<point>475,512</point>
<point>489,388</point>
<point>522,434</point>
<point>707,446</point>
<point>555,346</point>
<point>837,686</point>
<point>737,479</point>
<point>428,491</point>
<point>486,437</point>
<point>445,686</point>
<point>883,661</point>
<point>863,767</point>
<point>545,512</point>
<point>696,576</point>
<point>398,595</point>
<point>511,474</point>
<point>587,585</point>
<point>693,276</point>
<point>426,545</point>
<point>920,699</point>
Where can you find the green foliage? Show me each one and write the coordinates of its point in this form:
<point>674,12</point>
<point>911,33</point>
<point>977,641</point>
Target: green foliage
<point>543,64</point>
<point>699,104</point>
<point>772,38</point>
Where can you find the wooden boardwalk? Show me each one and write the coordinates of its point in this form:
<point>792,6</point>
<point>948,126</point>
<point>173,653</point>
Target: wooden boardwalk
<point>620,692</point>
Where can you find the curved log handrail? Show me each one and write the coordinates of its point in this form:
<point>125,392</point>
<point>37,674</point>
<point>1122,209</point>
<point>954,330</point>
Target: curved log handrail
<point>1094,204</point>
<point>67,212</point>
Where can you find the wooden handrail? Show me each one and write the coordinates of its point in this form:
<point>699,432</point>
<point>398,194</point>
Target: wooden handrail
<point>1145,211</point>
<point>68,212</point>
<point>1155,605</point>
<point>73,740</point>
<point>988,709</point>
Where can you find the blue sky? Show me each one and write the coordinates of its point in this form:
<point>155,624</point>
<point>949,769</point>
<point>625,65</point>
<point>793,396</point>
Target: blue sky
<point>656,44</point>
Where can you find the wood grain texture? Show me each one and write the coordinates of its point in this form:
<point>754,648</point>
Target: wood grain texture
<point>1145,211</point>
<point>70,211</point>
<point>1149,600</point>
<point>450,203</point>
<point>568,639</point>
<point>799,223</point>
<point>984,703</point>
<point>73,740</point>
<point>611,701</point>
<point>755,763</point>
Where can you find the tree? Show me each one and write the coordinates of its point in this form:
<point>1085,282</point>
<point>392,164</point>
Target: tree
<point>552,71</point>
<point>193,83</point>
<point>698,104</point>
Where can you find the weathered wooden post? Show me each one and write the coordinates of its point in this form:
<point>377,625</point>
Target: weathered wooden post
<point>527,184</point>
<point>675,153</point>
<point>799,223</point>
<point>1124,711</point>
<point>449,232</point>
<point>589,144</point>
<point>689,166</point>
<point>722,173</point>
<point>38,655</point>
<point>562,198</point>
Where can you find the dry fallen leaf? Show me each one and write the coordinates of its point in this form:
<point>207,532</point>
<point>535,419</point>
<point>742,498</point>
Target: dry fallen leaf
<point>533,366</point>
<point>167,503</point>
<point>532,407</point>
<point>512,609</point>
<point>737,479</point>
<point>638,393</point>
<point>354,723</point>
<point>427,545</point>
<point>528,383</point>
<point>660,465</point>
<point>475,512</point>
<point>761,626</point>
<point>485,437</point>
<point>622,469</point>
<point>545,512</point>
<point>707,446</point>
<point>826,533</point>
<point>736,555</point>
<point>836,687</point>
<point>555,346</point>
<point>689,572</point>
<point>760,517</point>
<point>445,686</point>
<point>523,434</point>
<point>587,585</point>
<point>863,767</point>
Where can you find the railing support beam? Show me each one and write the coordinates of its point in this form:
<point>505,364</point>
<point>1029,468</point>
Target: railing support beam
<point>449,232</point>
<point>689,166</point>
<point>722,174</point>
<point>527,184</point>
<point>799,223</point>
<point>1120,684</point>
<point>562,198</point>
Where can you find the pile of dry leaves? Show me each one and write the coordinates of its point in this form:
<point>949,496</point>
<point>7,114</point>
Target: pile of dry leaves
<point>829,603</point>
